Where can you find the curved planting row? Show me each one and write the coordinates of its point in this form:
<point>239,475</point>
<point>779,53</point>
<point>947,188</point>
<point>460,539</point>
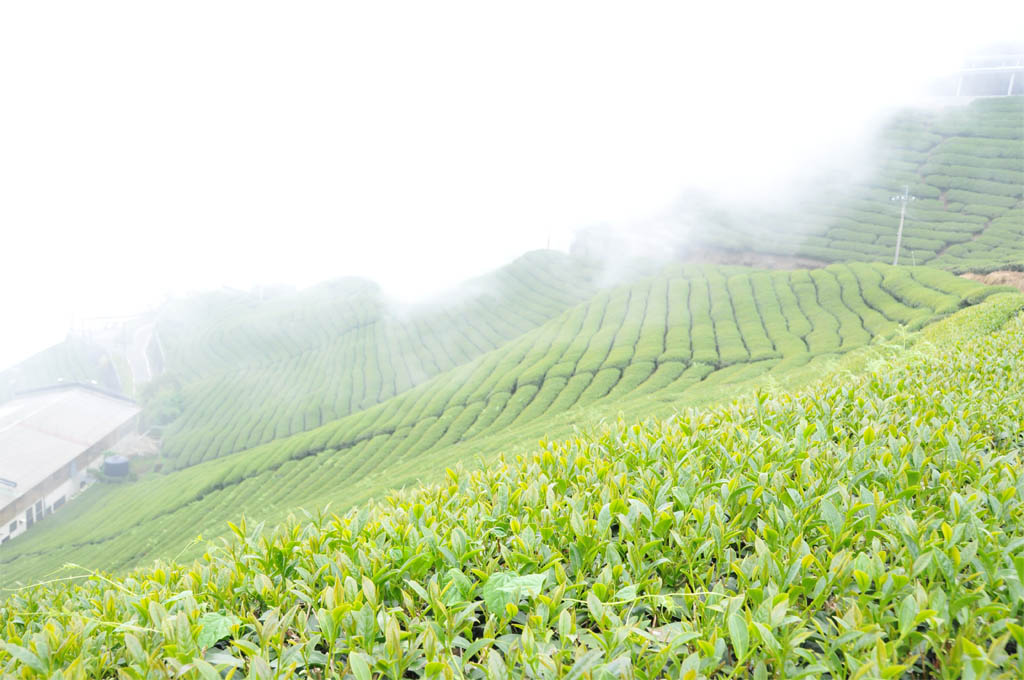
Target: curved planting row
<point>868,526</point>
<point>1000,245</point>
<point>965,168</point>
<point>689,334</point>
<point>267,371</point>
<point>971,172</point>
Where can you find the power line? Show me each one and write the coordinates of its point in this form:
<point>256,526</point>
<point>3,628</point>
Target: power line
<point>903,198</point>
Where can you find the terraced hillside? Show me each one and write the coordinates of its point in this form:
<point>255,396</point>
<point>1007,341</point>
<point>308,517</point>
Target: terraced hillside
<point>868,526</point>
<point>690,335</point>
<point>263,370</point>
<point>964,165</point>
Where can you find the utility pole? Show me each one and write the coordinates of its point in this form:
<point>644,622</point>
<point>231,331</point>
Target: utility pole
<point>903,198</point>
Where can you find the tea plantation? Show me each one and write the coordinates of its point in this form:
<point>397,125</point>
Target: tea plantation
<point>963,165</point>
<point>688,336</point>
<point>259,371</point>
<point>869,525</point>
<point>740,472</point>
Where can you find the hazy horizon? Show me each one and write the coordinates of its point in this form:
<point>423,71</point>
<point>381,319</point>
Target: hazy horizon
<point>151,151</point>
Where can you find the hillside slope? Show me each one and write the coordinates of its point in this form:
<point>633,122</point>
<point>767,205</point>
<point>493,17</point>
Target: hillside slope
<point>241,371</point>
<point>689,335</point>
<point>964,166</point>
<point>867,526</point>
<point>334,395</point>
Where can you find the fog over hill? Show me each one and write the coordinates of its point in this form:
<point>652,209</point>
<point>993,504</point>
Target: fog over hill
<point>553,340</point>
<point>149,152</point>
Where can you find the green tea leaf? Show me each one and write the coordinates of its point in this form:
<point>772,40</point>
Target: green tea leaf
<point>908,610</point>
<point>921,563</point>
<point>505,588</point>
<point>26,657</point>
<point>215,627</point>
<point>134,647</point>
<point>584,664</point>
<point>831,516</point>
<point>739,634</point>
<point>206,671</point>
<point>604,519</point>
<point>360,667</point>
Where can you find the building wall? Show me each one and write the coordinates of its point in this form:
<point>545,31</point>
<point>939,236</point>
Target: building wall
<point>62,484</point>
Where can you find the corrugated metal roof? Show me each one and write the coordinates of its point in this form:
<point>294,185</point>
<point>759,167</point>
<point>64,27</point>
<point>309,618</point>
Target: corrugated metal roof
<point>44,431</point>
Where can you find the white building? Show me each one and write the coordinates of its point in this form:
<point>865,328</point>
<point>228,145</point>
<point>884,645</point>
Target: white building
<point>49,439</point>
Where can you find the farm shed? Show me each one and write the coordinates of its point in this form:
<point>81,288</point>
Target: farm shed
<point>49,439</point>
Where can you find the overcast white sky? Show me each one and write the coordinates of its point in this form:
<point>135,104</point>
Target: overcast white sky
<point>148,148</point>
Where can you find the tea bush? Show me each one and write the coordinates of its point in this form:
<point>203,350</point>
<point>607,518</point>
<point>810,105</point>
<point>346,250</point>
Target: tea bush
<point>542,383</point>
<point>871,525</point>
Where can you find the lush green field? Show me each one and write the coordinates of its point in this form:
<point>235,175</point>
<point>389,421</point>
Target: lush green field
<point>257,370</point>
<point>870,525</point>
<point>964,165</point>
<point>690,335</point>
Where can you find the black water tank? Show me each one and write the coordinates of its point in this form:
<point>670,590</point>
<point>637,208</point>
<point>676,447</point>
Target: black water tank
<point>117,466</point>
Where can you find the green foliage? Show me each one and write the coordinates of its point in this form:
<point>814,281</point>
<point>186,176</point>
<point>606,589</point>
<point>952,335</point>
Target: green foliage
<point>869,525</point>
<point>1013,189</point>
<point>504,591</point>
<point>738,324</point>
<point>976,198</point>
<point>984,210</point>
<point>1000,246</point>
<point>262,369</point>
<point>964,166</point>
